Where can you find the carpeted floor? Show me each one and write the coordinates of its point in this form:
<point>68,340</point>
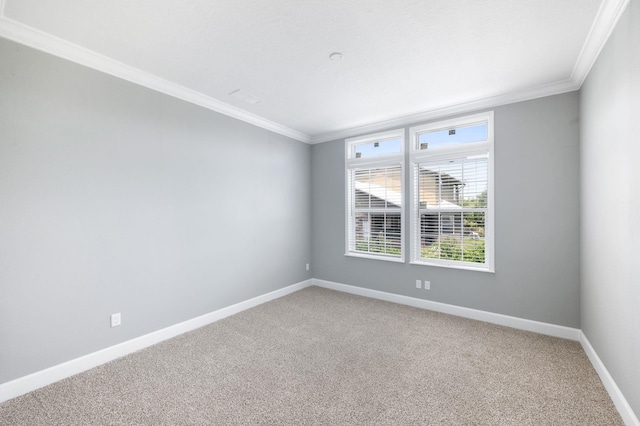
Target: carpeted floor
<point>324,357</point>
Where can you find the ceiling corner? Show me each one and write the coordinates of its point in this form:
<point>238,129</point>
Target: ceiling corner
<point>606,19</point>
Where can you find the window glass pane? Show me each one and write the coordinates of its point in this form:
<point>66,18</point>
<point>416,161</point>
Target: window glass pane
<point>376,223</point>
<point>378,188</point>
<point>455,236</point>
<point>377,185</point>
<point>441,186</point>
<point>453,136</point>
<point>454,184</point>
<point>453,203</point>
<point>362,231</point>
<point>361,196</point>
<point>475,174</point>
<point>376,148</point>
<point>378,233</point>
<point>394,187</point>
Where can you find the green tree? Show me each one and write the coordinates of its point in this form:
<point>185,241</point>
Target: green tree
<point>474,221</point>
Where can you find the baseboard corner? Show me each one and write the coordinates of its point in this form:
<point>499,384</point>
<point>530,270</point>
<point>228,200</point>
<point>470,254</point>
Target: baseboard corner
<point>621,403</point>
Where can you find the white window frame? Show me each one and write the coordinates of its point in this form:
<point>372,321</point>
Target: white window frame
<point>418,156</point>
<point>352,164</point>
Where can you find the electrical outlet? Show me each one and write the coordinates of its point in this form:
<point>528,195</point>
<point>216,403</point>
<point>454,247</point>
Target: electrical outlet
<point>307,266</point>
<point>418,284</point>
<point>116,319</point>
<point>427,285</point>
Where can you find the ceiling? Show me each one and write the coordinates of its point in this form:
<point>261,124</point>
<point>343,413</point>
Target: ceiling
<point>402,61</point>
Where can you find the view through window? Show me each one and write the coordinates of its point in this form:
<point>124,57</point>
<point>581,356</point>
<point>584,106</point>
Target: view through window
<point>452,175</point>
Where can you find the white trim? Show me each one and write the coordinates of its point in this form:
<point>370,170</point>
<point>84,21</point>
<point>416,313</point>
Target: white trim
<point>58,372</point>
<point>490,317</point>
<point>48,43</point>
<point>369,162</point>
<point>365,255</point>
<point>607,17</point>
<point>443,153</point>
<point>22,385</point>
<point>627,414</point>
<point>432,114</point>
<point>451,265</point>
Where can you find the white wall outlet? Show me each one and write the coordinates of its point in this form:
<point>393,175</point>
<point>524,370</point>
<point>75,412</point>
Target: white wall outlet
<point>307,266</point>
<point>418,284</point>
<point>116,319</point>
<point>427,285</point>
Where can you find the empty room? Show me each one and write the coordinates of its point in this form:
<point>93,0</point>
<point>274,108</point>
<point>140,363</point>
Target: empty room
<point>321,212</point>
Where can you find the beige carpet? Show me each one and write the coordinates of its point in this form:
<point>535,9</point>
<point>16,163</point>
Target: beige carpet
<point>323,357</point>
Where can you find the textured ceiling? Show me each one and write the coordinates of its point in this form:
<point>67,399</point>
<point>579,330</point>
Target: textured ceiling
<point>401,57</point>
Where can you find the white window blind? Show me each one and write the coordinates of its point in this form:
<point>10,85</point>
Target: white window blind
<point>452,207</point>
<point>376,211</point>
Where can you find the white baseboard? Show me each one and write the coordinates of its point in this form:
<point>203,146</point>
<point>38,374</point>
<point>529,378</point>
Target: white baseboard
<point>506,320</point>
<point>53,374</point>
<point>623,407</point>
<point>627,414</point>
<point>58,372</point>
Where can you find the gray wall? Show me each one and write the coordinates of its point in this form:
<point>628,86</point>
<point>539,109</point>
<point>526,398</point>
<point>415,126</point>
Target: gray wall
<point>610,210</point>
<point>115,198</point>
<point>536,220</point>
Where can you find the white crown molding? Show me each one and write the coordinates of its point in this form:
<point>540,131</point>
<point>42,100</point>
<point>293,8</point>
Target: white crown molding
<point>605,22</point>
<point>48,43</point>
<point>491,102</point>
<point>22,385</point>
<point>607,17</point>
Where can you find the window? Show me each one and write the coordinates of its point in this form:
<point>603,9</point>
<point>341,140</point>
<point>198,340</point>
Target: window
<point>452,193</point>
<point>375,196</point>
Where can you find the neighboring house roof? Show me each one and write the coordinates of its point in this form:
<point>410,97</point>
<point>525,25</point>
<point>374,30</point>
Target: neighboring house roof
<point>443,204</point>
<point>381,192</point>
<point>395,198</point>
<point>446,177</point>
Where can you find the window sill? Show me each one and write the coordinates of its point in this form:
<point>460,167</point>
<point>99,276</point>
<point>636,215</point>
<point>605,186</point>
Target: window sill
<point>453,266</point>
<point>374,257</point>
